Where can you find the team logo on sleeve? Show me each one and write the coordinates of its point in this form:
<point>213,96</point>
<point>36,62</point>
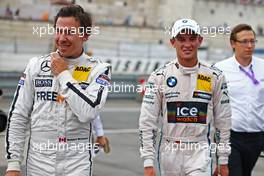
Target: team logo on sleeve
<point>171,81</point>
<point>224,86</point>
<point>204,83</point>
<point>103,80</point>
<point>21,82</point>
<point>81,73</point>
<point>225,97</point>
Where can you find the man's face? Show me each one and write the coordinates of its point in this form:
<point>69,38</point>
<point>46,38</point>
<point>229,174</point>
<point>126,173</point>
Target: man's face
<point>68,40</point>
<point>244,44</point>
<point>187,45</point>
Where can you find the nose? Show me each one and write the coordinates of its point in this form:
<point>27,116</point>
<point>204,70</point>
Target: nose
<point>187,44</point>
<point>250,44</point>
<point>62,37</point>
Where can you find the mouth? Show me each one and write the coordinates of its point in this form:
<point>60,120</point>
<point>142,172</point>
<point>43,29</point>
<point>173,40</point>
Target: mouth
<point>64,46</point>
<point>249,52</point>
<point>187,52</point>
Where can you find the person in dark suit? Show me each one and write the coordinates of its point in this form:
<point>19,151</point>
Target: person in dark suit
<point>3,117</point>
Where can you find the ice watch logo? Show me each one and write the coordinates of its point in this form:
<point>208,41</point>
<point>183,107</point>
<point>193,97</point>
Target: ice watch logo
<point>184,111</point>
<point>187,112</point>
<point>171,81</point>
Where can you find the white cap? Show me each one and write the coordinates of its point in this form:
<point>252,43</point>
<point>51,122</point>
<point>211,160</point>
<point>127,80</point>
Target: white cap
<point>188,24</point>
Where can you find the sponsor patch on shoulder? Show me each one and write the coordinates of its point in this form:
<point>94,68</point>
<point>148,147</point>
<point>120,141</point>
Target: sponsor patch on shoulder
<point>202,95</point>
<point>103,80</point>
<point>21,82</point>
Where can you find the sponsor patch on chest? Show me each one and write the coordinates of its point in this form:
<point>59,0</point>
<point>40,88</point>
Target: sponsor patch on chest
<point>81,73</point>
<point>187,112</point>
<point>43,82</point>
<point>204,83</point>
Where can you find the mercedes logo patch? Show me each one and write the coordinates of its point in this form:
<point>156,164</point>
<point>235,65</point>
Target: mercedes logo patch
<point>45,66</point>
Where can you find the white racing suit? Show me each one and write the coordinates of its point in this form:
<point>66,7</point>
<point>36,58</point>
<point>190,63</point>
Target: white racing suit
<point>188,102</point>
<point>59,111</point>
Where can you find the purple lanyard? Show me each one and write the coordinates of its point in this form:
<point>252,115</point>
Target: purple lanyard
<point>250,74</point>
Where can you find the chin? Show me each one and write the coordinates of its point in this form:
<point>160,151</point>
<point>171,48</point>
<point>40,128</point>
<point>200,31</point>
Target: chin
<point>187,57</point>
<point>63,54</point>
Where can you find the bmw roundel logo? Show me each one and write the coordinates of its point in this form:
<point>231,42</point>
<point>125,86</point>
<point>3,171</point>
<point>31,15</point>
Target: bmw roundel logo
<point>171,81</point>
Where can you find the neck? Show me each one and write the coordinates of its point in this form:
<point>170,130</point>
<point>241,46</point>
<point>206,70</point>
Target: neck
<point>243,61</point>
<point>77,55</point>
<point>188,63</point>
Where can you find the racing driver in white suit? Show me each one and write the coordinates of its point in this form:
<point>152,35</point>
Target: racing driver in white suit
<point>57,98</point>
<point>184,99</point>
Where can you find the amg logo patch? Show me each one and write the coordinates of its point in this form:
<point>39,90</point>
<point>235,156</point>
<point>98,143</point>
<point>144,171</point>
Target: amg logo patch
<point>187,112</point>
<point>43,82</point>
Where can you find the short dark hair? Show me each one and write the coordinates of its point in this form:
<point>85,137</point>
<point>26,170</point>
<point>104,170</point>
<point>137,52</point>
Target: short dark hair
<point>239,28</point>
<point>78,13</point>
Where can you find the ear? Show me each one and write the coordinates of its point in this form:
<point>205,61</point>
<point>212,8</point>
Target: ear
<point>232,43</point>
<point>200,40</point>
<point>172,41</point>
<point>85,37</point>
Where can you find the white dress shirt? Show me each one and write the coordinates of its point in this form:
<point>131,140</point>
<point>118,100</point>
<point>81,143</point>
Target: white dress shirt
<point>247,98</point>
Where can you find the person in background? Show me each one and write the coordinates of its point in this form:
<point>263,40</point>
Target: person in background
<point>3,116</point>
<point>245,82</point>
